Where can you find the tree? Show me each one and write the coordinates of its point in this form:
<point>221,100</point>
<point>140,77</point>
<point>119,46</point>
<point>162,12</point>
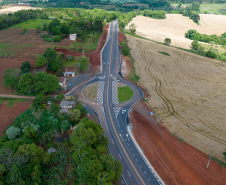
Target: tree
<point>60,97</point>
<point>15,176</point>
<point>195,45</point>
<point>41,61</point>
<point>98,25</point>
<point>167,41</point>
<point>11,77</point>
<point>40,100</point>
<point>55,65</point>
<point>25,84</point>
<point>74,114</point>
<point>25,65</point>
<point>25,70</point>
<point>12,132</point>
<point>50,55</point>
<point>132,28</point>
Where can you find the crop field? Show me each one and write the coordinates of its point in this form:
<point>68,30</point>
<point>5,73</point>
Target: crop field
<point>15,9</point>
<point>187,93</point>
<point>175,26</point>
<point>213,8</point>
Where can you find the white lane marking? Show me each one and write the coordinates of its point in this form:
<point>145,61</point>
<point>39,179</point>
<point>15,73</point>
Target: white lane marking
<point>121,136</point>
<point>149,179</point>
<point>145,173</point>
<point>128,173</point>
<point>134,155</point>
<point>136,160</point>
<point>113,141</point>
<point>140,166</point>
<point>119,156</point>
<point>130,149</point>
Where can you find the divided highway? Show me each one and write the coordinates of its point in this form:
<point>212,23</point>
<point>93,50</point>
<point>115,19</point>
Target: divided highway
<point>113,115</point>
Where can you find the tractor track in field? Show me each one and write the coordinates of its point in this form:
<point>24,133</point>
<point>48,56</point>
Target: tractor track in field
<point>169,105</point>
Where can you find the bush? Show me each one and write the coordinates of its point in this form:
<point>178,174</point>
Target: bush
<point>195,45</point>
<point>69,57</point>
<point>57,39</point>
<point>211,54</point>
<point>41,61</point>
<point>25,70</point>
<point>167,41</point>
<point>125,51</point>
<point>12,132</point>
<point>25,65</point>
<point>59,73</point>
<point>44,35</point>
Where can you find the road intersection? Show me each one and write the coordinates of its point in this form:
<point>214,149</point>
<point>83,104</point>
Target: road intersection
<point>113,116</point>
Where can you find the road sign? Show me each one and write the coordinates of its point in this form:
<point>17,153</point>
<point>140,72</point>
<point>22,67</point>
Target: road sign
<point>124,110</point>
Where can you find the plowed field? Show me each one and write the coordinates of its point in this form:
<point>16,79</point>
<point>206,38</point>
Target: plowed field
<point>187,93</point>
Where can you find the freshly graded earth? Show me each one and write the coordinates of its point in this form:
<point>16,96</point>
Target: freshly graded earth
<point>175,26</point>
<point>187,93</point>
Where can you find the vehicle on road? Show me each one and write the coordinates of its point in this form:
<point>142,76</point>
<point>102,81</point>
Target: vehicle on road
<point>68,83</point>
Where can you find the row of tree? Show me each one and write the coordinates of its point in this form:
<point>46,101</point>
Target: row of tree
<point>194,35</point>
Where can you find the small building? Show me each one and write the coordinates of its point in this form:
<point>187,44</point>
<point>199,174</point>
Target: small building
<point>62,81</point>
<point>73,37</point>
<point>69,74</point>
<point>66,104</point>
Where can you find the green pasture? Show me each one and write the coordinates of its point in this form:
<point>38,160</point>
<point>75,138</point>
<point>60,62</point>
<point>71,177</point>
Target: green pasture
<point>32,24</point>
<point>11,101</point>
<point>213,8</point>
<point>125,94</point>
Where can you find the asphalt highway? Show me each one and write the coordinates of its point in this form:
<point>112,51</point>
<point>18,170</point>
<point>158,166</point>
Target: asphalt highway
<point>113,116</point>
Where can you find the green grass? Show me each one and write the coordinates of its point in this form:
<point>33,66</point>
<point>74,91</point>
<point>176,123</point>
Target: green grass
<point>15,49</point>
<point>164,53</point>
<point>32,24</point>
<point>223,164</point>
<point>125,94</point>
<point>213,8</point>
<point>75,62</point>
<point>11,101</point>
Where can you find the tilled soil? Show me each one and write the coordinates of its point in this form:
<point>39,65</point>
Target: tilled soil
<point>176,162</point>
<point>8,114</point>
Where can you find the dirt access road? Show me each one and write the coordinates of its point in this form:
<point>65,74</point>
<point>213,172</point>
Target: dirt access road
<point>175,26</point>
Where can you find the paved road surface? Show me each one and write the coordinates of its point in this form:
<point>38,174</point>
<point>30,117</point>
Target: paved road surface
<point>113,116</point>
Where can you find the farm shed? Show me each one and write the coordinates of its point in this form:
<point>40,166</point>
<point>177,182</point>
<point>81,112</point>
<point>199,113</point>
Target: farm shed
<point>73,37</point>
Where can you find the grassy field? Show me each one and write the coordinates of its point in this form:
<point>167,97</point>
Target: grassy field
<point>14,49</point>
<point>213,8</point>
<point>90,91</point>
<point>187,93</point>
<point>125,94</point>
<point>11,101</point>
<point>32,24</point>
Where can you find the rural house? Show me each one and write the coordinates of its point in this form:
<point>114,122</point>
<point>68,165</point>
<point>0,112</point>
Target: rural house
<point>69,72</point>
<point>66,104</point>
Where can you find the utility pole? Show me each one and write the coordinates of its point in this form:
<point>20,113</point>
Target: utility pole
<point>209,159</point>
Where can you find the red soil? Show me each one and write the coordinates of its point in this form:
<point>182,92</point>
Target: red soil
<point>121,37</point>
<point>176,162</point>
<point>8,114</point>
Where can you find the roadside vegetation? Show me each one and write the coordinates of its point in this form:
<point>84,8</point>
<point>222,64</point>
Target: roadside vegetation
<point>11,101</point>
<point>23,147</point>
<point>125,94</point>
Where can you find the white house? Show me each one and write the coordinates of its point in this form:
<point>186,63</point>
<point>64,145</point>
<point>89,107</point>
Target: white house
<point>73,37</point>
<point>65,104</point>
<point>69,74</point>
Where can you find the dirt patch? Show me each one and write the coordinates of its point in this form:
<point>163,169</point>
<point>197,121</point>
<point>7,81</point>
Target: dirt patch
<point>187,93</point>
<point>121,37</point>
<point>8,114</point>
<point>176,162</point>
<point>118,84</point>
<point>175,26</point>
<point>126,66</point>
<point>90,91</point>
